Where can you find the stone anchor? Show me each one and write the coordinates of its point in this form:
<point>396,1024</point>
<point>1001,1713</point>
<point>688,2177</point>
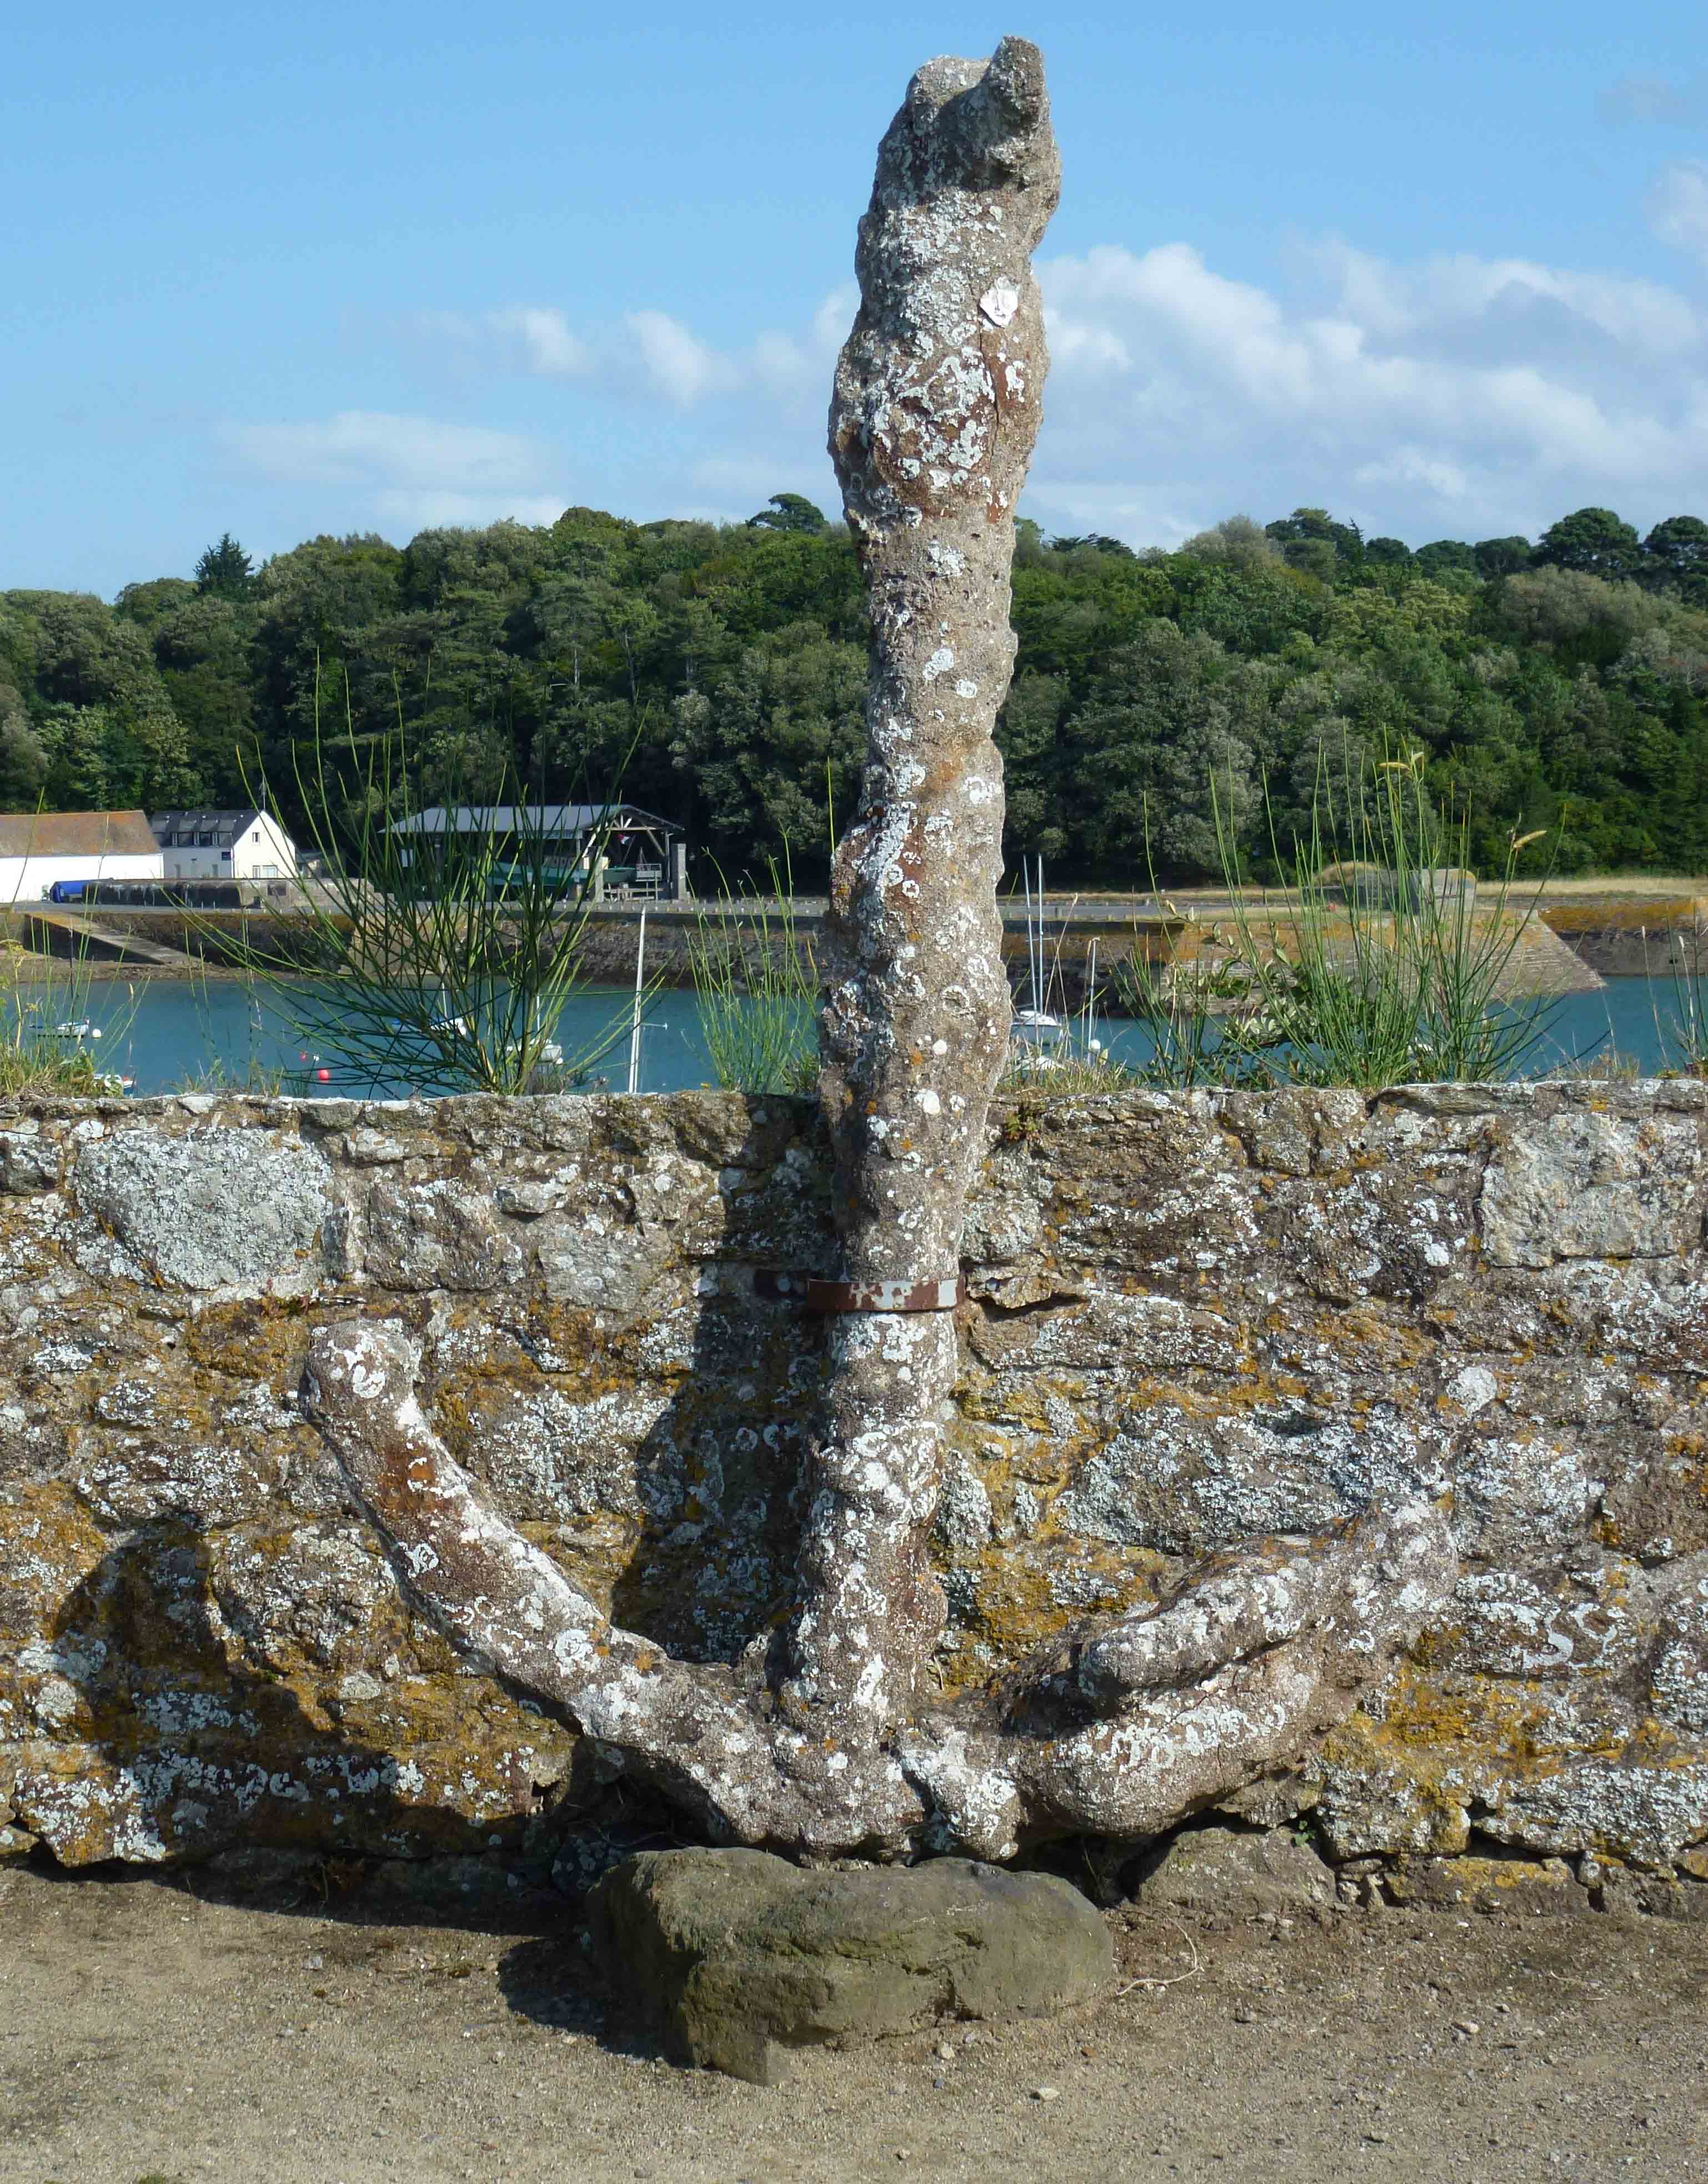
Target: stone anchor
<point>832,1742</point>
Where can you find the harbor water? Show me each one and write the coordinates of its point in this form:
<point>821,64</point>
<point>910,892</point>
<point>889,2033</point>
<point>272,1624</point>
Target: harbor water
<point>165,1035</point>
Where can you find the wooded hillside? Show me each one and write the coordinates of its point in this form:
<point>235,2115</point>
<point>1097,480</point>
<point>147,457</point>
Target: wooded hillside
<point>1562,686</point>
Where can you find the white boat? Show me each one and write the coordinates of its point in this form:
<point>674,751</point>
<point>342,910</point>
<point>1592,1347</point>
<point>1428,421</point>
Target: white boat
<point>83,1028</point>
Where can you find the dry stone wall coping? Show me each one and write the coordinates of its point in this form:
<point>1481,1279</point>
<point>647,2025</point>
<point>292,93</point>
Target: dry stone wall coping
<point>1192,1319</point>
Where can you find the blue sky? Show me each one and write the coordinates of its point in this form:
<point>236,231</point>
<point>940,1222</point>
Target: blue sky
<point>372,267</point>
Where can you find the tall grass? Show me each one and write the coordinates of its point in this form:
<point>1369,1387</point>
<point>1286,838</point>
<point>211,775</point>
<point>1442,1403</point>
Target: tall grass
<point>1682,1028</point>
<point>757,982</point>
<point>1407,979</point>
<point>1189,1007</point>
<point>444,959</point>
<point>1379,960</point>
<point>35,1056</point>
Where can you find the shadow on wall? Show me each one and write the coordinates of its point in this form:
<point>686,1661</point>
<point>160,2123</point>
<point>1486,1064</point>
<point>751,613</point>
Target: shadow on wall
<point>200,1750</point>
<point>258,1693</point>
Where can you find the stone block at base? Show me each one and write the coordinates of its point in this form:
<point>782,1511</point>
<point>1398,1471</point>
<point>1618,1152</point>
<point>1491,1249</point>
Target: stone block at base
<point>1525,1887</point>
<point>1233,1873</point>
<point>735,1957</point>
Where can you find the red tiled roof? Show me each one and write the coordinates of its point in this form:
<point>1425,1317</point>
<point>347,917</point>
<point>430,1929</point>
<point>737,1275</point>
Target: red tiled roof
<point>77,834</point>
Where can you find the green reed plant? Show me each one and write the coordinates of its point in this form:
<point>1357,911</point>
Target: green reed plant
<point>36,996</point>
<point>757,982</point>
<point>1682,1028</point>
<point>1195,1007</point>
<point>1190,1008</point>
<point>1407,980</point>
<point>442,960</point>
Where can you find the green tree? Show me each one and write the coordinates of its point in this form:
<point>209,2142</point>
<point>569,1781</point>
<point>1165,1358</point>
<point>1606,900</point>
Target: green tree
<point>1594,541</point>
<point>1676,552</point>
<point>1307,529</point>
<point>1028,737</point>
<point>1443,555</point>
<point>1172,725</point>
<point>767,741</point>
<point>225,569</point>
<point>1237,541</point>
<point>1502,557</point>
<point>788,511</point>
<point>23,757</point>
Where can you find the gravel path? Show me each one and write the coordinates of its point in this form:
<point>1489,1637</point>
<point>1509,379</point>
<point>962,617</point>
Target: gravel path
<point>148,2034</point>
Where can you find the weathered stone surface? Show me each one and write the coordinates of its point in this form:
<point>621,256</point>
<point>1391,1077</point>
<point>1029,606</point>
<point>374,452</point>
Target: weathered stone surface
<point>1627,1893</point>
<point>29,1162</point>
<point>1238,1873</point>
<point>183,1584</point>
<point>205,1210</point>
<point>1518,1887</point>
<point>933,414</point>
<point>737,1956</point>
<point>1595,1186</point>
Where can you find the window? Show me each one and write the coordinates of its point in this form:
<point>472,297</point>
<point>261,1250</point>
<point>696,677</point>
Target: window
<point>205,841</point>
<point>225,856</point>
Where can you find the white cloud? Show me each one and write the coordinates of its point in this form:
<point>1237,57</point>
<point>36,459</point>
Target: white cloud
<point>833,318</point>
<point>546,339</point>
<point>1476,396</point>
<point>648,353</point>
<point>1482,392</point>
<point>1678,207</point>
<point>367,446</point>
<point>1446,481</point>
<point>410,471</point>
<point>1390,300</point>
<point>681,369</point>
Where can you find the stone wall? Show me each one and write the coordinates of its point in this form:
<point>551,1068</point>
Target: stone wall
<point>1194,1318</point>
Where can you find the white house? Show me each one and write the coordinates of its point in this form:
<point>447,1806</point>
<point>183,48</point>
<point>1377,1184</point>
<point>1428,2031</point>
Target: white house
<point>39,848</point>
<point>224,846</point>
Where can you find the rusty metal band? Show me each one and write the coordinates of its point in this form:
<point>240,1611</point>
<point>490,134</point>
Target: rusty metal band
<point>817,1296</point>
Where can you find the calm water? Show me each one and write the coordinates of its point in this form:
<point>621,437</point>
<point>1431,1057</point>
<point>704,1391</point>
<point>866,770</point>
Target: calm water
<point>166,1035</point>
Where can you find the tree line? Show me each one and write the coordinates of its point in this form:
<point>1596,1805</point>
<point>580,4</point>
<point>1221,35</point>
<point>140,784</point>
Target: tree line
<point>1559,686</point>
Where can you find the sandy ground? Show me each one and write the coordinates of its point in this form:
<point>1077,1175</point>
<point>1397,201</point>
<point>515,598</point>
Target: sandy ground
<point>147,2034</point>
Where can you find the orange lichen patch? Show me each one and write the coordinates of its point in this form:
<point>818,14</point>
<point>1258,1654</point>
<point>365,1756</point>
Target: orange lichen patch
<point>1655,915</point>
<point>1431,1721</point>
<point>1656,1744</point>
<point>248,1340</point>
<point>1020,1598</point>
<point>1526,1885</point>
<point>52,1546</point>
